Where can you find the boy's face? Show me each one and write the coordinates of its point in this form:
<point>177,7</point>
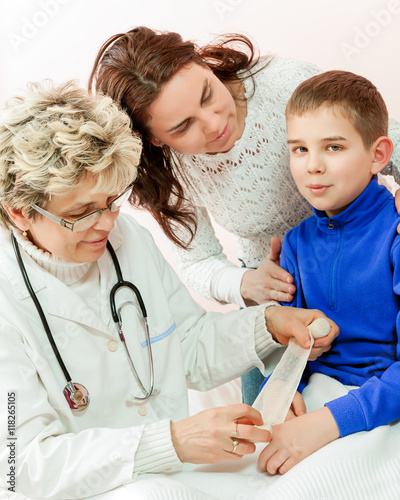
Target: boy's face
<point>328,159</point>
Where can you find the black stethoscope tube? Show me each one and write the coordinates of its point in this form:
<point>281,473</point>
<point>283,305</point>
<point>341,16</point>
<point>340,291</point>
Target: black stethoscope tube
<point>39,309</point>
<point>121,283</point>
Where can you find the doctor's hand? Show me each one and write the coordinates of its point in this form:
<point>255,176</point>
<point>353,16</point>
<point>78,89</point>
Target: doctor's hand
<point>269,281</point>
<point>216,435</point>
<point>284,322</point>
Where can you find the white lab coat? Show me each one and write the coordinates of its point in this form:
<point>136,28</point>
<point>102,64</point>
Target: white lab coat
<point>62,454</point>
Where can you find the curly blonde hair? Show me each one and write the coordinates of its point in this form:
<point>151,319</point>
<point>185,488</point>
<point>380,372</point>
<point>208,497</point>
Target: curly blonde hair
<point>52,136</point>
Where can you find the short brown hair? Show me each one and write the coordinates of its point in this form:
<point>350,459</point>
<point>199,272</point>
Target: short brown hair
<point>352,95</point>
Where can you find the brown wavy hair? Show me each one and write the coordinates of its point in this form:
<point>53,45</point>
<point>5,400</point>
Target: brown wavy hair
<point>132,68</point>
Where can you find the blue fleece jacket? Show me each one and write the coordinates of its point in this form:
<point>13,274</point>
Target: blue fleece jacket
<point>348,266</point>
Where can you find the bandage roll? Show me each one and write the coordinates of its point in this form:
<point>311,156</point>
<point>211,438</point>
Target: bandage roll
<point>277,395</point>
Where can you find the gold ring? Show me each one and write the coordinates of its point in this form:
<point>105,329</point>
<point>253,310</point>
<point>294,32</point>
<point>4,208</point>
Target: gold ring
<point>235,445</point>
<point>235,433</point>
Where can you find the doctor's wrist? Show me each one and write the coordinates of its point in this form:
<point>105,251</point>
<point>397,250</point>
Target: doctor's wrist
<point>268,313</point>
<point>156,452</point>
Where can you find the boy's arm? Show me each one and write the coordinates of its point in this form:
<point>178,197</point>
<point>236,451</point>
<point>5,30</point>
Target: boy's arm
<point>289,263</point>
<point>377,402</point>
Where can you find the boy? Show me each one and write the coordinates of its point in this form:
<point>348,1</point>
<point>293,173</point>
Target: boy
<point>344,259</point>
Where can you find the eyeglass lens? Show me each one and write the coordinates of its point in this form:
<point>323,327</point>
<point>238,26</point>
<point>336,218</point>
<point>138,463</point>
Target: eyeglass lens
<point>90,220</point>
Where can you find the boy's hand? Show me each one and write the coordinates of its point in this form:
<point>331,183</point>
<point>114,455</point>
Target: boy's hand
<point>296,439</point>
<point>269,281</point>
<point>297,408</point>
<point>284,322</point>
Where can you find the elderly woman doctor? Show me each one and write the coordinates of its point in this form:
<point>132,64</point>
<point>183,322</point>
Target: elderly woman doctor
<point>93,379</point>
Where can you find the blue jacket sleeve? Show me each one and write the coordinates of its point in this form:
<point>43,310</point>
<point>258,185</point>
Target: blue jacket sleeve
<point>377,402</point>
<point>289,263</point>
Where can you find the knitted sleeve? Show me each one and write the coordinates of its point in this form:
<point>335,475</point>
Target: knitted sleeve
<point>394,165</point>
<point>206,269</point>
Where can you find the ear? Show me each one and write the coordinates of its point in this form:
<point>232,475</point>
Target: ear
<point>383,148</point>
<point>18,217</point>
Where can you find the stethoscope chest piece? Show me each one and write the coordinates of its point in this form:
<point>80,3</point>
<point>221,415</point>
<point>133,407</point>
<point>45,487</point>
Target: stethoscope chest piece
<point>78,399</point>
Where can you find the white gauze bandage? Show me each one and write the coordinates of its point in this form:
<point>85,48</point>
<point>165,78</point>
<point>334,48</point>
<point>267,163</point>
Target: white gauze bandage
<point>277,395</point>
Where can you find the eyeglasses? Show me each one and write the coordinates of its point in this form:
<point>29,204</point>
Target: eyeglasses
<point>87,220</point>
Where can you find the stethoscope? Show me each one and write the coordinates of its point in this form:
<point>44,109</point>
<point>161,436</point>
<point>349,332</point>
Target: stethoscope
<point>76,394</point>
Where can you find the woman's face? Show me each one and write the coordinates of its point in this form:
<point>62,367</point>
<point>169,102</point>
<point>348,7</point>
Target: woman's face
<point>195,113</point>
<point>84,246</point>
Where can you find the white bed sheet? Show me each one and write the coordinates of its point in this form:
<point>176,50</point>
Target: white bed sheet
<point>362,466</point>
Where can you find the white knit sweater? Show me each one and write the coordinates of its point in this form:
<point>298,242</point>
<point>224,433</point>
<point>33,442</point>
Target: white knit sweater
<point>249,190</point>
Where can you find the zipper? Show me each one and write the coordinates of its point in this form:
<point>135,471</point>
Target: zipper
<point>332,226</point>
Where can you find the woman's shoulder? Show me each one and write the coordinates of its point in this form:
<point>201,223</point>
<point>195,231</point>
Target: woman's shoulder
<point>274,80</point>
<point>284,69</point>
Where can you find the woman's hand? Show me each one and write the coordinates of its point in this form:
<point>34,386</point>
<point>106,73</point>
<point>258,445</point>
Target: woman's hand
<point>284,322</point>
<point>296,439</point>
<point>208,437</point>
<point>269,281</point>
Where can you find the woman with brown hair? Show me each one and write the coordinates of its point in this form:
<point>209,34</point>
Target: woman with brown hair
<point>214,144</point>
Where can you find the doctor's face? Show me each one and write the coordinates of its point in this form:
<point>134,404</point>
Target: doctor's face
<point>83,246</point>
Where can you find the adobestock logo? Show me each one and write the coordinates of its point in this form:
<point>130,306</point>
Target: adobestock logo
<point>31,27</point>
<point>224,7</point>
<point>373,28</point>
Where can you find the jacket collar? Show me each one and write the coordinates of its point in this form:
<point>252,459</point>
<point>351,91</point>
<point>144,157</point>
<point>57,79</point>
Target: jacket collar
<point>363,208</point>
<point>57,299</point>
